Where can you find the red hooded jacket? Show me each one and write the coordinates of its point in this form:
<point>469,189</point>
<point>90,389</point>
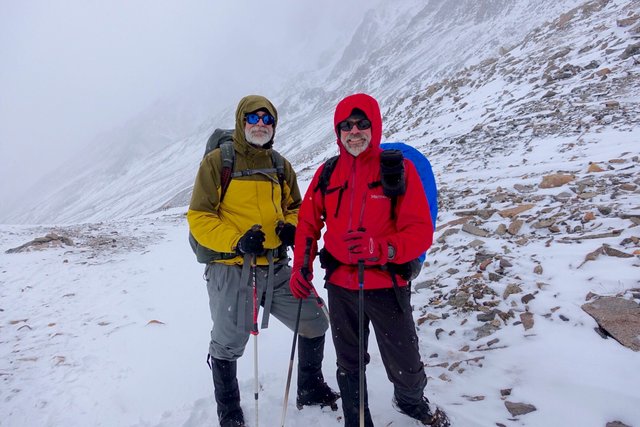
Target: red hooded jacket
<point>410,234</point>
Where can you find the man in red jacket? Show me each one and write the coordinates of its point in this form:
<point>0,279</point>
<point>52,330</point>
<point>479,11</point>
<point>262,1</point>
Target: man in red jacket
<point>363,237</point>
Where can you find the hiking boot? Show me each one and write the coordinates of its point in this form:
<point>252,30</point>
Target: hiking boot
<point>233,423</point>
<point>312,389</point>
<point>421,411</point>
<point>349,383</point>
<point>321,394</point>
<point>227,393</point>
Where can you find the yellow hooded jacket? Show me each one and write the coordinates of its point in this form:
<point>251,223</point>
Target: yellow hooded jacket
<point>249,200</point>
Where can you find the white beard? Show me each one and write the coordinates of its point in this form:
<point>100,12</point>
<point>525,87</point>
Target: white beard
<point>258,135</point>
<point>360,143</point>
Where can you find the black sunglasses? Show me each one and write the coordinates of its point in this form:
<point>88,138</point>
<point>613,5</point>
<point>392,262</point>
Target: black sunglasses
<point>346,125</point>
<point>253,118</point>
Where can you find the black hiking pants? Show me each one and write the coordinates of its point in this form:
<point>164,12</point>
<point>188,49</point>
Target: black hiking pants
<point>395,332</point>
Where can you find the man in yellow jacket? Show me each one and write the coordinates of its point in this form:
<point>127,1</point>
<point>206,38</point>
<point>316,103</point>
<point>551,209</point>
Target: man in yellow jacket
<point>254,220</point>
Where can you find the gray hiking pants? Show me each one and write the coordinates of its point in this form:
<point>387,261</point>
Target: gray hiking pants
<point>229,298</point>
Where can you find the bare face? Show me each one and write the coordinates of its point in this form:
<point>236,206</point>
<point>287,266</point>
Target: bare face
<point>355,140</point>
<point>259,133</point>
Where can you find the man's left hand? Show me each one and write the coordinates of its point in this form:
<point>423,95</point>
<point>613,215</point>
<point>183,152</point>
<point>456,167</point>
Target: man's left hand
<point>362,245</point>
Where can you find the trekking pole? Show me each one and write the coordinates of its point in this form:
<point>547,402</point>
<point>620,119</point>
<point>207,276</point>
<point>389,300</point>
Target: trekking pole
<point>254,332</point>
<point>293,352</point>
<point>307,255</point>
<point>361,339</point>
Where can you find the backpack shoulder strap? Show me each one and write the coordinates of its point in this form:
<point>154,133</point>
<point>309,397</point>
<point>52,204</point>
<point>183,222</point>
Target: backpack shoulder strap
<point>325,175</point>
<point>278,163</point>
<point>228,157</point>
<point>323,182</point>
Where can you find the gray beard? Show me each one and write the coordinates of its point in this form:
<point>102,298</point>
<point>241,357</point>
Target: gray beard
<point>355,152</point>
<point>259,139</point>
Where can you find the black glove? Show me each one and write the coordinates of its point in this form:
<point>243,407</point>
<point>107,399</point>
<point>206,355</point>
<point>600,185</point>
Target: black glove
<point>287,233</point>
<point>251,242</point>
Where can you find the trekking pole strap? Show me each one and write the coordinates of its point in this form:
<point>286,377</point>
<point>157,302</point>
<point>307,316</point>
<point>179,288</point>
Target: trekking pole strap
<point>243,291</point>
<point>269,292</point>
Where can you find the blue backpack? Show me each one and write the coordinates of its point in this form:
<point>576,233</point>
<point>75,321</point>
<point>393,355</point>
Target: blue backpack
<point>425,171</point>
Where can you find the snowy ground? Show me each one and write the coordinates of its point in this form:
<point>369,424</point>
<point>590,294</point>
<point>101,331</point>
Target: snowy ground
<point>81,343</point>
<point>113,331</point>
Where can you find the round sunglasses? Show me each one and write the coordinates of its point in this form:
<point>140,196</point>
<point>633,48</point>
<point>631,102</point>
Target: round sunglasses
<point>253,118</point>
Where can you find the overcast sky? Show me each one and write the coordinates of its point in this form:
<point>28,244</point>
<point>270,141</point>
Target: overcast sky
<point>71,69</point>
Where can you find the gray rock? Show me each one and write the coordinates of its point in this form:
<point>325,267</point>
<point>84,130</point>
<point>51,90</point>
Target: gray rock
<point>429,284</point>
<point>563,197</point>
<point>486,317</point>
<point>518,408</point>
<point>587,195</point>
<point>592,65</point>
<point>618,317</point>
<point>486,330</point>
<point>505,392</point>
<point>528,297</point>
<point>630,51</point>
<point>459,300</point>
<point>608,250</point>
<point>476,243</point>
<point>448,232</point>
<point>604,210</point>
<point>524,188</point>
<point>527,320</point>
<point>543,223</point>
<point>39,243</point>
<point>515,227</point>
<point>504,263</point>
<point>494,277</point>
<point>512,288</point>
<point>476,231</point>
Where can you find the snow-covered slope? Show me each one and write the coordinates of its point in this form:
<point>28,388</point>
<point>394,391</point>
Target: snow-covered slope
<point>397,52</point>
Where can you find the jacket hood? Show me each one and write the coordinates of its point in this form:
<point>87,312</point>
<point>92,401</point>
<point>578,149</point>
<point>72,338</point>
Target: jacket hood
<point>249,104</point>
<point>370,107</point>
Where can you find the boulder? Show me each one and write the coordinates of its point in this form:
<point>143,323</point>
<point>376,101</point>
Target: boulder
<point>518,408</point>
<point>619,317</point>
<point>555,180</point>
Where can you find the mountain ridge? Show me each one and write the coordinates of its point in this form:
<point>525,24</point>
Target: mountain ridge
<point>401,71</point>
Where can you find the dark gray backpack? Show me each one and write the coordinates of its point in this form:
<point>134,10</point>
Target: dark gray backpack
<point>223,139</point>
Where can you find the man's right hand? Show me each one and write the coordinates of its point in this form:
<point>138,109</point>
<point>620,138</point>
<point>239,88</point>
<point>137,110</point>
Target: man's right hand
<point>300,282</point>
<point>252,242</point>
